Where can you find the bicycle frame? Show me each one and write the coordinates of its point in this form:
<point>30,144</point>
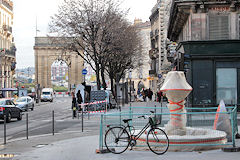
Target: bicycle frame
<point>135,137</point>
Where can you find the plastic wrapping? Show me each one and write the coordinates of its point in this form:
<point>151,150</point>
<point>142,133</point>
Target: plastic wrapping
<point>222,121</point>
<point>176,89</point>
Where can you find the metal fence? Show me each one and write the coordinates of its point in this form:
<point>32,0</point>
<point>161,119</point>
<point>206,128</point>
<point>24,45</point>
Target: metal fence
<point>198,118</point>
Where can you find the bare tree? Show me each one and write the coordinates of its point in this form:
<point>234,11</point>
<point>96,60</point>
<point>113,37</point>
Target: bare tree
<point>122,48</point>
<point>97,30</point>
<point>82,20</point>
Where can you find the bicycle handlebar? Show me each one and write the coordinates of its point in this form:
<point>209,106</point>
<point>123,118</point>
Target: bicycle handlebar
<point>146,116</point>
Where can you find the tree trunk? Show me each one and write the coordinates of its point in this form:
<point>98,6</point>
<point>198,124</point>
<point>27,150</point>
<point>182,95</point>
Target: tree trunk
<point>97,77</point>
<point>112,85</point>
<point>103,77</point>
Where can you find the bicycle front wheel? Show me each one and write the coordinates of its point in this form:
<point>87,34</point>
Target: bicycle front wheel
<point>117,140</point>
<point>157,141</point>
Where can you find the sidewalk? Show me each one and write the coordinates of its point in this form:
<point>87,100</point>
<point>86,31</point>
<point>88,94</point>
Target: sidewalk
<point>82,146</point>
<point>84,149</point>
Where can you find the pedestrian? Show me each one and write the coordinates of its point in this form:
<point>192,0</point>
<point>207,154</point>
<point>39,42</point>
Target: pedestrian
<point>146,94</point>
<point>150,94</point>
<point>79,99</point>
<point>74,104</point>
<point>159,95</point>
<point>86,98</point>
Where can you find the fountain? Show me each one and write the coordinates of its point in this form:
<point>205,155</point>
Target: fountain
<point>177,89</point>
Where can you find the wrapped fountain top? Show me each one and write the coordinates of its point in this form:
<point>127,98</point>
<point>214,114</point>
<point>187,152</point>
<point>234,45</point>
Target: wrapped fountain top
<point>175,80</point>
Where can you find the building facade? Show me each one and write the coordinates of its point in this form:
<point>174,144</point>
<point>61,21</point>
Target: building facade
<point>208,52</point>
<point>59,72</point>
<point>48,50</point>
<point>158,52</point>
<point>7,47</point>
<point>140,75</point>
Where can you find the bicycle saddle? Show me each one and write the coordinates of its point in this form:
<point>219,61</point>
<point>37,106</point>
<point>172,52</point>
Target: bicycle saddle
<point>126,120</point>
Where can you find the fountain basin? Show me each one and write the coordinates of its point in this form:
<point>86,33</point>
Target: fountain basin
<point>196,139</point>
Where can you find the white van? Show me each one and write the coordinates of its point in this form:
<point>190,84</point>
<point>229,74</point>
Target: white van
<point>47,94</point>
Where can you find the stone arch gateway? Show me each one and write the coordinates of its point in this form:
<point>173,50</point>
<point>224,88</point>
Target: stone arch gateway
<point>46,53</point>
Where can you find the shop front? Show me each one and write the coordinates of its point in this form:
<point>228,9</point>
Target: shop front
<point>213,69</point>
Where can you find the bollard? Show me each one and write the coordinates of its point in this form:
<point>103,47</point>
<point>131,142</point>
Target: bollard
<point>5,128</point>
<point>160,118</point>
<point>82,120</point>
<point>53,122</point>
<point>106,107</point>
<point>27,125</point>
<point>155,111</point>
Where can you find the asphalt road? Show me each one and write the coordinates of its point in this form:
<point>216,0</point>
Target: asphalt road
<point>40,121</point>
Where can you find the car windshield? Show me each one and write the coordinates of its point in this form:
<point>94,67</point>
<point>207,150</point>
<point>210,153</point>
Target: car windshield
<point>2,102</point>
<point>46,93</point>
<point>21,100</point>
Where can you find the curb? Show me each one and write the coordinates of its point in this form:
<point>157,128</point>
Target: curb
<point>102,151</point>
<point>231,149</point>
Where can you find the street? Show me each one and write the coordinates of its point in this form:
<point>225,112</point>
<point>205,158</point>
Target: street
<point>40,121</point>
<point>69,142</point>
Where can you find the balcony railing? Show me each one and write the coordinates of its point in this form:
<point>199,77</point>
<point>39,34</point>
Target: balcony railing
<point>7,4</point>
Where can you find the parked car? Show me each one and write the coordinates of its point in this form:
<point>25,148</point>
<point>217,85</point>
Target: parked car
<point>25,103</point>
<point>8,108</point>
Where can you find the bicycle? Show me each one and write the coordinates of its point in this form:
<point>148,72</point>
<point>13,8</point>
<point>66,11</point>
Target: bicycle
<point>118,138</point>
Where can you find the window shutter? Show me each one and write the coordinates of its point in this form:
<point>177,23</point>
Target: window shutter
<point>218,27</point>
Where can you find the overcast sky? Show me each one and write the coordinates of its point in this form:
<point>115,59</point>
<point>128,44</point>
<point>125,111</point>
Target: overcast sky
<point>27,11</point>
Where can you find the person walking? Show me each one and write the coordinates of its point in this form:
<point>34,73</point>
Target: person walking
<point>144,95</point>
<point>150,94</point>
<point>74,104</point>
<point>159,95</point>
<point>79,100</point>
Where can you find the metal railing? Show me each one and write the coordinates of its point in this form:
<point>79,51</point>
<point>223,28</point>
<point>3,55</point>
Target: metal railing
<point>198,120</point>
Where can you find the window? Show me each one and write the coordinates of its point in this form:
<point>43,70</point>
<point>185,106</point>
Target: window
<point>226,85</point>
<point>218,26</point>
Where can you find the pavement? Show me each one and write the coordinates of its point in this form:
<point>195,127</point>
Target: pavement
<point>83,145</point>
<point>83,148</point>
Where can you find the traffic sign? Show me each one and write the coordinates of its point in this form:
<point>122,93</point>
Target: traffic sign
<point>84,71</point>
<point>159,76</point>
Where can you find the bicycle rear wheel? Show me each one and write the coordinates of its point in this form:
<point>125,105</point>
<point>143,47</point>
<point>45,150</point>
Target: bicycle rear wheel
<point>157,141</point>
<point>117,140</point>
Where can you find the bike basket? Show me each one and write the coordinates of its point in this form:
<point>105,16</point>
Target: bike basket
<point>152,120</point>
